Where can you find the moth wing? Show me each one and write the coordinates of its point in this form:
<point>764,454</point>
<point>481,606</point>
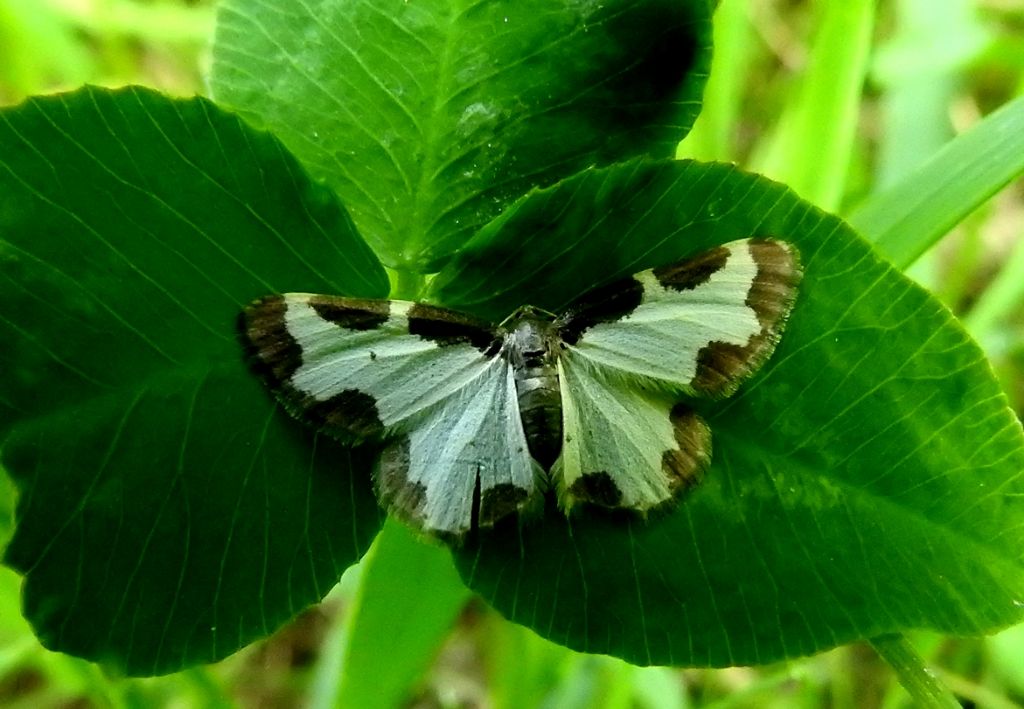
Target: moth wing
<point>624,447</point>
<point>427,380</point>
<point>466,463</point>
<point>700,326</point>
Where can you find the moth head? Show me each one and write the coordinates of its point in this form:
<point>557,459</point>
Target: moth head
<point>525,313</point>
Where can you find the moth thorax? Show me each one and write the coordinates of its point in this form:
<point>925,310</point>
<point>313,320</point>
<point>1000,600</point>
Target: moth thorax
<point>531,351</point>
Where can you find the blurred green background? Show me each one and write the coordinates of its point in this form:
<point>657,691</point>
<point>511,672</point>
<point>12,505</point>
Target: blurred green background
<point>933,69</point>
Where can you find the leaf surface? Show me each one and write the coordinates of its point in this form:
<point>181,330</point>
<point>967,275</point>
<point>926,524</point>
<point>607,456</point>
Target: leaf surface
<point>867,480</point>
<point>168,514</point>
<point>430,118</point>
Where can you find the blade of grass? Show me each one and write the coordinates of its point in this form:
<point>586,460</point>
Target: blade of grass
<point>813,143</point>
<point>908,218</point>
<point>976,694</point>
<point>921,683</point>
<point>405,606</point>
<point>327,673</point>
<point>919,70</point>
<point>1002,296</point>
<point>522,668</point>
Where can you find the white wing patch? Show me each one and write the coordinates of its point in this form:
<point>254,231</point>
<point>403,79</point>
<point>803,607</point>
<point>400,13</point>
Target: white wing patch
<point>405,374</point>
<point>624,448</point>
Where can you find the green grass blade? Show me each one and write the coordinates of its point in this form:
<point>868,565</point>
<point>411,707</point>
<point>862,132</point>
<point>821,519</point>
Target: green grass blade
<point>813,143</point>
<point>907,219</point>
<point>409,597</point>
<point>523,669</point>
<point>920,69</point>
<point>1002,296</point>
<point>922,684</point>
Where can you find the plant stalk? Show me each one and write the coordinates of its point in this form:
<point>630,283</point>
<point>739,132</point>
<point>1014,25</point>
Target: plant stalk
<point>406,285</point>
<point>921,683</point>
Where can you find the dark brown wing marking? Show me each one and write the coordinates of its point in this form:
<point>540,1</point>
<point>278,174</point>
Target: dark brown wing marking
<point>692,272</point>
<point>603,304</point>
<point>597,489</point>
<point>352,313</point>
<point>499,502</point>
<point>272,353</point>
<point>721,367</point>
<point>394,489</point>
<point>350,415</point>
<point>448,327</point>
<point>685,465</point>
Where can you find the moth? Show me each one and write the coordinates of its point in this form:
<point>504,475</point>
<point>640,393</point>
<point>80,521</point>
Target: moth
<point>477,421</point>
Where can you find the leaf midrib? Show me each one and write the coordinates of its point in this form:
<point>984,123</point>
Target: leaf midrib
<point>431,127</point>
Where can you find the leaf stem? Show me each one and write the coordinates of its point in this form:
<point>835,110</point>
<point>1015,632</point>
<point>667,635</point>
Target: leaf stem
<point>920,682</point>
<point>406,285</point>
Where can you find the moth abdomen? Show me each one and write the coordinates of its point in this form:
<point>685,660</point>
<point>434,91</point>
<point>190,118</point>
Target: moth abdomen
<point>540,408</point>
<point>530,347</point>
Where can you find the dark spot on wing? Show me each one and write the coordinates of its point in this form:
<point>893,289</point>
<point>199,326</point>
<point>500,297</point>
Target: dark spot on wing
<point>775,287</point>
<point>350,415</point>
<point>685,466</point>
<point>597,489</point>
<point>352,313</point>
<point>406,499</point>
<point>270,349</point>
<point>500,501</point>
<point>722,367</point>
<point>448,327</point>
<point>604,304</point>
<point>692,272</point>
